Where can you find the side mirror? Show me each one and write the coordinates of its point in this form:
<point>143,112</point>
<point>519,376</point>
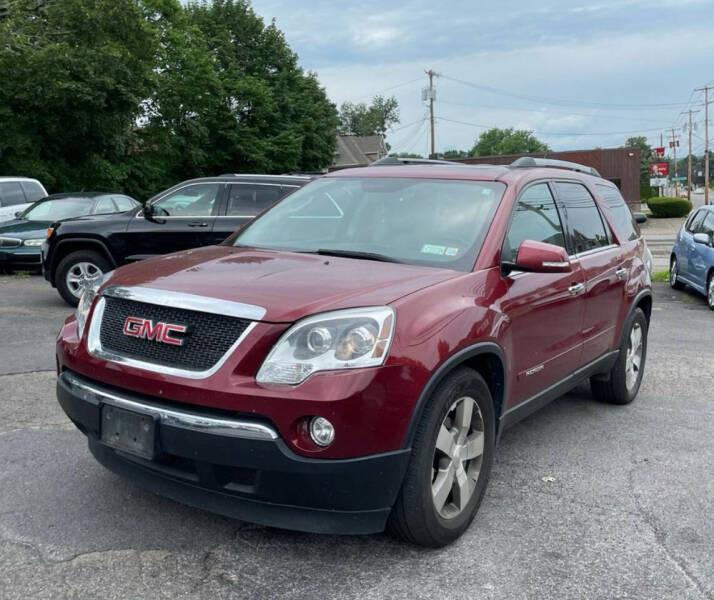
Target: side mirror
<point>18,213</point>
<point>702,238</point>
<point>147,210</point>
<point>640,217</point>
<point>540,257</point>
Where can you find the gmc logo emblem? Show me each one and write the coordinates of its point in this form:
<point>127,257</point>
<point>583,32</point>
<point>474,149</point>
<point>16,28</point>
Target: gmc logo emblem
<point>146,329</point>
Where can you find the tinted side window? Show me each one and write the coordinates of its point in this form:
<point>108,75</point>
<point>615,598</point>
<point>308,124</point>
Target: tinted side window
<point>33,191</point>
<point>534,218</point>
<point>583,221</point>
<point>11,193</point>
<point>695,222</point>
<point>623,217</point>
<point>249,200</point>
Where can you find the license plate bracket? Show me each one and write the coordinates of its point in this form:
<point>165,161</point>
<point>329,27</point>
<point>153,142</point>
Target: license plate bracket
<point>129,431</point>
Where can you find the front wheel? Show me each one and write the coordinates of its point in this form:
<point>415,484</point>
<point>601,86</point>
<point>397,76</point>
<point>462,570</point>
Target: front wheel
<point>710,290</point>
<point>625,377</point>
<point>76,271</point>
<point>450,463</point>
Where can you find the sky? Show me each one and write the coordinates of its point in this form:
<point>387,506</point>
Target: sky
<point>578,74</point>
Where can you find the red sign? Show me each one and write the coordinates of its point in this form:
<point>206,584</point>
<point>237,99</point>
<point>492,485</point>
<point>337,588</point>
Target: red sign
<point>658,152</point>
<point>658,169</point>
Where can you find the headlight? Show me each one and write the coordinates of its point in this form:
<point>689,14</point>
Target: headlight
<point>37,242</point>
<point>85,301</point>
<point>343,339</point>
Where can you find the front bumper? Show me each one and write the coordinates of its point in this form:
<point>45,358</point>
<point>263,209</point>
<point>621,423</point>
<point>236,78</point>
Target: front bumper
<point>239,466</point>
<point>23,255</point>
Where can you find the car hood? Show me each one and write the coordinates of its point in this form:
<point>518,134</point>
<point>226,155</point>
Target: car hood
<point>288,285</point>
<point>22,229</point>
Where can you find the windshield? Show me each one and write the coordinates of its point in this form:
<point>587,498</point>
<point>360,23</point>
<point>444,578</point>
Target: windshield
<point>56,210</point>
<point>432,222</point>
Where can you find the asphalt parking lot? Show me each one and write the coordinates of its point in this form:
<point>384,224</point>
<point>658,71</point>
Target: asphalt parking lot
<point>586,500</point>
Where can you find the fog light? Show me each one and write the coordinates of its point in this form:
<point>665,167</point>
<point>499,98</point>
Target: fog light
<point>321,431</point>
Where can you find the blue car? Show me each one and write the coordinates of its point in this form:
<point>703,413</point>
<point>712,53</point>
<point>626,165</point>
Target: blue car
<point>692,260</point>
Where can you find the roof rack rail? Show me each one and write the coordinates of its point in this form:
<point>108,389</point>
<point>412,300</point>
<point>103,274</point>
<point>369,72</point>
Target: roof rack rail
<point>390,161</point>
<point>529,161</point>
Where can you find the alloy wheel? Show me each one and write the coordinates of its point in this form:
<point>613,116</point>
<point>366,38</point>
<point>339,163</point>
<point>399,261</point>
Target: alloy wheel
<point>457,458</point>
<point>81,275</point>
<point>710,292</point>
<point>633,358</point>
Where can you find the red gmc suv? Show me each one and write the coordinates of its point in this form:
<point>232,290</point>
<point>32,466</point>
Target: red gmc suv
<point>348,360</point>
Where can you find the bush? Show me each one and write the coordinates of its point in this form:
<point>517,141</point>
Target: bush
<point>666,206</point>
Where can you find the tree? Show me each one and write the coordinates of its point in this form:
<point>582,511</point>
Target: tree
<point>646,156</point>
<point>455,154</point>
<point>361,119</point>
<point>74,74</point>
<point>405,155</point>
<point>507,141</point>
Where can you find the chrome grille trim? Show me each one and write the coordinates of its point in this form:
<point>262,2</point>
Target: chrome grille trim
<point>176,300</point>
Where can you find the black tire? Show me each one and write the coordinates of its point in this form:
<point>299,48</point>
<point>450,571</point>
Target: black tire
<point>614,388</point>
<point>70,261</point>
<point>710,290</point>
<point>673,270</point>
<point>414,517</point>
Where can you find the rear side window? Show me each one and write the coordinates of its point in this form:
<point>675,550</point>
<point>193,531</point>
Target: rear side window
<point>33,191</point>
<point>586,230</point>
<point>623,217</point>
<point>123,203</point>
<point>105,205</point>
<point>11,193</point>
<point>534,218</point>
<point>248,200</point>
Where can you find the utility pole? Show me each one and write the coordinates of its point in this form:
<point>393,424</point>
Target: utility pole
<point>706,89</point>
<point>690,112</point>
<point>430,94</point>
<point>674,148</point>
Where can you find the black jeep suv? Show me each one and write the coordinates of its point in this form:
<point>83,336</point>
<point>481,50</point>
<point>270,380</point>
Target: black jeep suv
<point>197,212</point>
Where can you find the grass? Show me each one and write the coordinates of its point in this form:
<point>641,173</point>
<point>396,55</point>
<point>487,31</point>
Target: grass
<point>660,275</point>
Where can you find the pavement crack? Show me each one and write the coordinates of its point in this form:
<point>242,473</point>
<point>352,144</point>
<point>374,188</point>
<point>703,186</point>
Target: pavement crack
<point>660,537</point>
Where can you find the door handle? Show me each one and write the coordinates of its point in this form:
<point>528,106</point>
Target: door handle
<point>621,273</point>
<point>576,288</point>
<point>198,224</point>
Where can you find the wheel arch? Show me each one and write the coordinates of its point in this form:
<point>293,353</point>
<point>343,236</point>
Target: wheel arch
<point>486,358</point>
<point>65,247</point>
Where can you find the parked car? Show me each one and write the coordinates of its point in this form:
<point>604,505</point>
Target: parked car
<point>348,360</point>
<point>21,238</point>
<point>193,213</point>
<point>17,193</point>
<point>692,260</point>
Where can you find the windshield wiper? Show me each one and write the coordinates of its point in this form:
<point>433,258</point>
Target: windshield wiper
<point>357,254</point>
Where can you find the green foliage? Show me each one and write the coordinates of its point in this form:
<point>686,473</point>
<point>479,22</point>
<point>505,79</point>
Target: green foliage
<point>134,95</point>
<point>646,157</point>
<point>360,119</point>
<point>455,154</point>
<point>647,191</point>
<point>507,141</point>
<point>669,207</point>
<point>661,275</point>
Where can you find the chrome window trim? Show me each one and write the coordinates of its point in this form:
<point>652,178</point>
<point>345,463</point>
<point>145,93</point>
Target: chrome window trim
<point>173,300</point>
<point>169,416</point>
<point>593,251</point>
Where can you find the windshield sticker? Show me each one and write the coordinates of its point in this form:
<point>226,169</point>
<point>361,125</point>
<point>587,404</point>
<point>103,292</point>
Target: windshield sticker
<point>451,251</point>
<point>432,249</point>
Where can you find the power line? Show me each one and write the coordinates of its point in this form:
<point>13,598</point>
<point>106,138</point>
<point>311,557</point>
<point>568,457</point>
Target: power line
<point>556,101</point>
<point>553,112</point>
<point>392,87</point>
<point>573,133</point>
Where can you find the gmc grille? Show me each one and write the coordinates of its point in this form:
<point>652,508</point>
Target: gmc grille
<point>208,336</point>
